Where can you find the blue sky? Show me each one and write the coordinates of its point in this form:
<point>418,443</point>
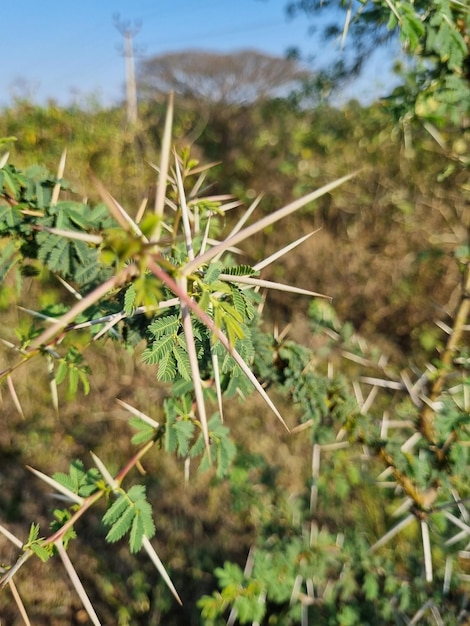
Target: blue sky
<point>70,50</point>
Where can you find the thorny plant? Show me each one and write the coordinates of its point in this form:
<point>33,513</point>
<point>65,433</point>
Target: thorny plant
<point>167,276</point>
<point>162,276</point>
<point>403,434</point>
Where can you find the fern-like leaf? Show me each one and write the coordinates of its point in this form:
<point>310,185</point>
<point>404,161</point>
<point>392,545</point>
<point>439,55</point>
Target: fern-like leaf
<point>167,325</point>
<point>116,510</point>
<point>136,534</point>
<point>167,368</point>
<point>145,431</point>
<point>157,350</point>
<point>182,361</point>
<point>130,511</point>
<point>78,480</point>
<point>239,270</point>
<point>213,272</point>
<point>129,300</point>
<point>121,526</point>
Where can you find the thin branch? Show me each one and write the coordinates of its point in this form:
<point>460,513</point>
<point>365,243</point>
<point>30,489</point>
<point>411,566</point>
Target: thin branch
<point>134,461</point>
<point>427,415</point>
<point>12,571</point>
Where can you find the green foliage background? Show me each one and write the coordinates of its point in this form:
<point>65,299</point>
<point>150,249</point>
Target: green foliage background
<point>391,253</point>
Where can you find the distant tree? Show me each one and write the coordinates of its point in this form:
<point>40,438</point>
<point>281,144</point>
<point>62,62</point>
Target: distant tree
<point>242,77</point>
<point>435,35</point>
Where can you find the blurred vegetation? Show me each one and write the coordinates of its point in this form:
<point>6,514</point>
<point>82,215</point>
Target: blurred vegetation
<point>434,37</point>
<point>401,217</point>
<point>385,251</point>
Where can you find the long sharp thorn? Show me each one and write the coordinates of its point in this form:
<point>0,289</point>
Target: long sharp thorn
<point>160,567</point>
<point>263,223</point>
<point>163,170</point>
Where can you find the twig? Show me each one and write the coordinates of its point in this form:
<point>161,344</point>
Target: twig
<point>426,419</point>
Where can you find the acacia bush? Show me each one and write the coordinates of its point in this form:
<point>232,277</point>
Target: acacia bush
<point>121,272</point>
<point>389,221</point>
<point>166,284</point>
<point>401,217</point>
<point>359,514</point>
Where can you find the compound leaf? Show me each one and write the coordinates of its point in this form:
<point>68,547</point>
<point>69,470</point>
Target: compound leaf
<point>122,524</point>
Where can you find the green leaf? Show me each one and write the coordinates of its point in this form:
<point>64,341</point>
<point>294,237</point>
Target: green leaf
<point>184,430</point>
<point>84,380</point>
<point>43,552</point>
<point>212,273</point>
<point>121,525</point>
<point>87,271</point>
<point>137,533</point>
<point>240,270</point>
<point>167,325</point>
<point>228,574</point>
<point>73,380</point>
<point>58,260</point>
<point>145,512</point>
<point>238,302</point>
<point>371,586</point>
<point>62,516</point>
<point>73,366</point>
<point>412,28</point>
<point>222,449</point>
<point>226,452</point>
<point>116,510</point>
<point>8,258</point>
<point>61,371</point>
<point>9,183</point>
<point>166,371</point>
<point>33,532</point>
<point>9,218</point>
<point>5,140</point>
<point>182,362</point>
<point>129,300</point>
<point>81,482</point>
<point>171,441</point>
<point>153,353</point>
<point>145,431</point>
<point>35,544</point>
<point>76,474</point>
<point>130,511</point>
<point>136,493</point>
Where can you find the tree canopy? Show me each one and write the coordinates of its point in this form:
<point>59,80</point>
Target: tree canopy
<point>435,35</point>
<point>240,77</point>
